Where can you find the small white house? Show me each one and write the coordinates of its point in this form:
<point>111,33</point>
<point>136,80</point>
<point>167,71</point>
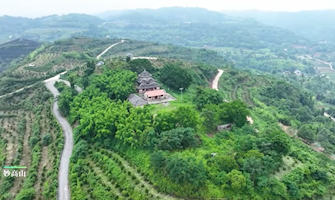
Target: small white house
<point>31,65</point>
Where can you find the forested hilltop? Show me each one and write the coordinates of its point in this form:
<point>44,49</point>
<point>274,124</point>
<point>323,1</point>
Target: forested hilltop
<point>262,131</point>
<point>128,152</point>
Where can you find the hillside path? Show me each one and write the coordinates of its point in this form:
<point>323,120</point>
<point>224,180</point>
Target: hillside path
<point>215,87</point>
<point>111,46</point>
<point>216,80</point>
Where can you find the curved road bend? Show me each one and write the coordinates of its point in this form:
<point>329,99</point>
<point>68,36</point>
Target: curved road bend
<point>63,185</point>
<point>216,80</point>
<point>215,86</point>
<point>63,177</point>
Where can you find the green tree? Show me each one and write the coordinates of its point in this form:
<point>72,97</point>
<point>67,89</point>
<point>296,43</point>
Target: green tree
<point>253,166</point>
<point>204,96</point>
<point>131,127</point>
<point>187,170</point>
<point>210,119</point>
<point>118,83</point>
<point>226,162</point>
<point>235,181</point>
<point>158,160</point>
<point>187,117</point>
<point>234,112</point>
<point>90,67</point>
<point>85,82</point>
<point>279,142</point>
<point>139,65</point>
<point>64,100</point>
<point>179,138</point>
<point>72,78</point>
<point>307,132</point>
<point>175,77</point>
<point>46,139</point>
<point>164,121</point>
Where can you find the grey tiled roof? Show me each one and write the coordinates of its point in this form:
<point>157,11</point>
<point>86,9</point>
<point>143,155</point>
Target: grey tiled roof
<point>145,80</point>
<point>147,86</point>
<point>136,100</point>
<point>144,74</point>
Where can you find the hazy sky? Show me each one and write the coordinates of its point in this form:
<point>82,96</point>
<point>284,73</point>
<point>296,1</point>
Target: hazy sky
<point>34,8</point>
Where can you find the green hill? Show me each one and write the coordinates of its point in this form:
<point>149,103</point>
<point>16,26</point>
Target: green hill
<point>164,151</point>
<point>14,49</point>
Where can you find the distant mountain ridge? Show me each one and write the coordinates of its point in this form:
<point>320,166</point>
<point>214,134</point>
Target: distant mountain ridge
<point>48,28</point>
<point>193,27</point>
<point>317,25</point>
<point>10,51</point>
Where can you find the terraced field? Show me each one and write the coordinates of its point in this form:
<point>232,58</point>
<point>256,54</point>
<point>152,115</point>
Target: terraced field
<point>29,136</point>
<point>242,91</point>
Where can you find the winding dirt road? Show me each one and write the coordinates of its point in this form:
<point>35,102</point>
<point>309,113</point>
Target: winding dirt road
<point>215,87</point>
<point>216,80</point>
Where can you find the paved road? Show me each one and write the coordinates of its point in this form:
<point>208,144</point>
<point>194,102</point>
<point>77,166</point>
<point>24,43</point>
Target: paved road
<point>63,184</point>
<point>111,46</point>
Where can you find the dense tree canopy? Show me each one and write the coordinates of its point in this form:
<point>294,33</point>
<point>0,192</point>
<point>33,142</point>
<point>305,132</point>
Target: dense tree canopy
<point>175,77</point>
<point>205,96</point>
<point>139,65</point>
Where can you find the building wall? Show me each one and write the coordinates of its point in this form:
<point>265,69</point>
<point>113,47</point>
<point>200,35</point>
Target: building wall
<point>153,98</point>
<point>141,91</point>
